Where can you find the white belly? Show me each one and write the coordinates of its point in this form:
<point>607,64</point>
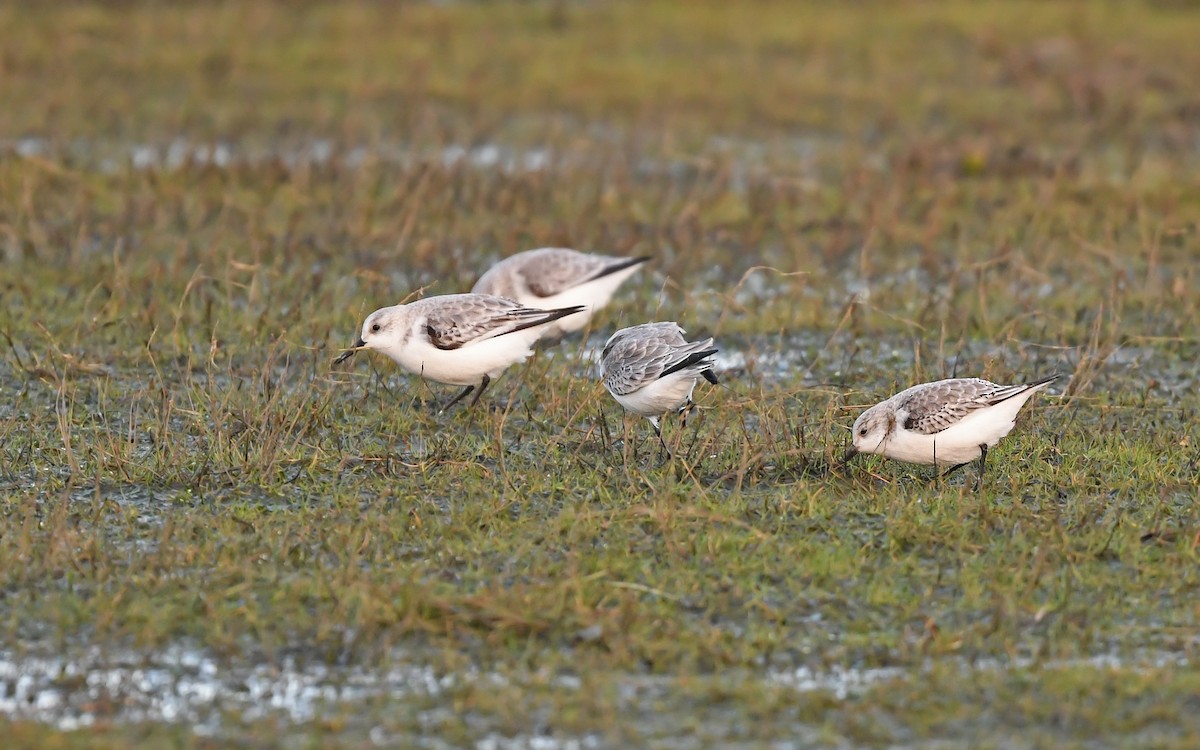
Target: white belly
<point>469,363</point>
<point>661,396</point>
<point>959,443</point>
<point>930,449</point>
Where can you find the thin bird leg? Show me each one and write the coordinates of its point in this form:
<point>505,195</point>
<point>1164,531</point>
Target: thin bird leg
<point>458,398</point>
<point>487,379</point>
<point>950,471</point>
<point>658,432</point>
<point>982,462</point>
<point>684,412</point>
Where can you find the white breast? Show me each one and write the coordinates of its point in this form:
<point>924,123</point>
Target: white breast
<point>959,443</point>
<point>661,396</point>
<point>467,364</point>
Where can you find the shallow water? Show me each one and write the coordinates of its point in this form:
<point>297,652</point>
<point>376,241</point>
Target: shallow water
<point>845,682</point>
<point>740,159</point>
<point>187,685</point>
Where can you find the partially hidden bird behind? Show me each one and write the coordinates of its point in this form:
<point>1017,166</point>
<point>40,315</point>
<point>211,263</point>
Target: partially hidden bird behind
<point>555,277</point>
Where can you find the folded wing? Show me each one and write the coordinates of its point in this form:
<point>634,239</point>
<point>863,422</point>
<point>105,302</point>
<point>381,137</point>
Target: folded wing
<point>478,317</point>
<point>937,406</point>
<point>633,362</point>
<point>555,271</point>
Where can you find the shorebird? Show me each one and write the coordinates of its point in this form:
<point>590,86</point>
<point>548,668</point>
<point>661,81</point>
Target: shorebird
<point>553,277</point>
<point>651,369</point>
<point>457,339</point>
<point>946,423</point>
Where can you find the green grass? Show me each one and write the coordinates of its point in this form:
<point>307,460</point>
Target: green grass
<point>853,198</point>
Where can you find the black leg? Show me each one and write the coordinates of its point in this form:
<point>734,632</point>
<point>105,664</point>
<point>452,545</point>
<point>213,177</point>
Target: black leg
<point>459,397</point>
<point>685,411</point>
<point>982,463</point>
<point>487,379</point>
<point>630,443</point>
<point>658,432</point>
<point>951,470</point>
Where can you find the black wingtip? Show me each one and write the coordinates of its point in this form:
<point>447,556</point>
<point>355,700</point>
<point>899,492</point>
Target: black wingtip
<point>1014,391</point>
<point>693,359</point>
<point>563,312</point>
<point>545,316</point>
<point>1045,380</point>
<point>710,376</point>
<point>621,266</point>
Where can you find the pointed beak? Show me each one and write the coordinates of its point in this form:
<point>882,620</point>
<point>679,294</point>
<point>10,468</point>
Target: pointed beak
<point>359,344</point>
<point>850,454</point>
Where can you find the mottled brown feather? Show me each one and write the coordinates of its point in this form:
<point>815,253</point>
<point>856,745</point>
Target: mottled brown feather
<point>930,408</point>
<point>478,316</point>
<point>549,271</point>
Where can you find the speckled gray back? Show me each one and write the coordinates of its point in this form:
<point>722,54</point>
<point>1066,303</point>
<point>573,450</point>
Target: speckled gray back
<point>545,272</point>
<point>453,320</point>
<point>933,407</point>
<point>634,357</point>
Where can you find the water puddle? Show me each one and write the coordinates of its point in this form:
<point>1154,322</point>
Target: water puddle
<point>181,685</point>
<point>741,160</point>
<point>841,682</point>
<point>844,682</point>
<point>187,685</point>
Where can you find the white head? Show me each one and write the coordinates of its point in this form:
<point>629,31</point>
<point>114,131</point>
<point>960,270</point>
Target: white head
<point>872,430</point>
<point>386,328</point>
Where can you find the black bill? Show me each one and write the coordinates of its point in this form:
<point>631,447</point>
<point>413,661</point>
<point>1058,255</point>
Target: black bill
<point>850,454</point>
<point>349,352</point>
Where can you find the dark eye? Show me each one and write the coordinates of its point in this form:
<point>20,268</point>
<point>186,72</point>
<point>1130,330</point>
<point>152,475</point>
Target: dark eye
<point>375,328</point>
<point>862,431</point>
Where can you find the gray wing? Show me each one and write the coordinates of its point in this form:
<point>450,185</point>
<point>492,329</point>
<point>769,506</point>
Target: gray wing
<point>544,272</point>
<point>457,320</point>
<point>930,408</point>
<point>578,268</point>
<point>555,270</point>
<point>635,357</point>
<point>548,271</point>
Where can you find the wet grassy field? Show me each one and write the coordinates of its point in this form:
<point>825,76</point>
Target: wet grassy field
<point>211,538</point>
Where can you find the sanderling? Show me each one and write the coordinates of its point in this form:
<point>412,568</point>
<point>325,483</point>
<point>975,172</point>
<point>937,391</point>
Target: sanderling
<point>651,369</point>
<point>948,422</point>
<point>458,339</point>
<point>553,277</point>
